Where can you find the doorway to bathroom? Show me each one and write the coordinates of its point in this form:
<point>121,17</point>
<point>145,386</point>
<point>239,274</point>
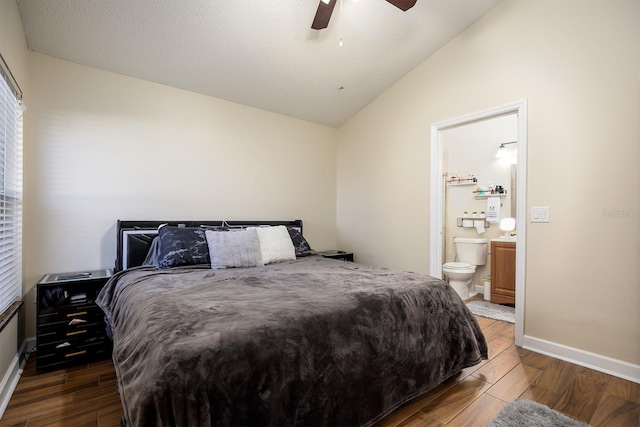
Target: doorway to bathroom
<point>464,172</point>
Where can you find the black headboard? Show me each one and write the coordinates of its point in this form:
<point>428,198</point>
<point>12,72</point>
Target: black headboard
<point>135,237</point>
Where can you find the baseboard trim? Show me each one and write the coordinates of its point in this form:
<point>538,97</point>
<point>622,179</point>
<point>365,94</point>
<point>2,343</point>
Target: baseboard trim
<point>608,365</point>
<point>9,383</point>
<point>11,378</point>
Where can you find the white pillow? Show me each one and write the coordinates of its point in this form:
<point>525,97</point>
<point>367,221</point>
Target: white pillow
<point>275,244</point>
<point>234,248</point>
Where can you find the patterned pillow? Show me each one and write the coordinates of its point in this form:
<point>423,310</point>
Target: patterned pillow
<point>300,245</point>
<point>182,246</point>
<point>239,248</point>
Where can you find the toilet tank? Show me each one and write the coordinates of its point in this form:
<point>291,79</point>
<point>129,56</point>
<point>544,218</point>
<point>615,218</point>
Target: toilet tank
<point>470,250</point>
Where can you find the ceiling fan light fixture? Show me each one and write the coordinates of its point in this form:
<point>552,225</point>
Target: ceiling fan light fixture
<point>325,9</point>
<point>403,5</point>
<point>323,14</point>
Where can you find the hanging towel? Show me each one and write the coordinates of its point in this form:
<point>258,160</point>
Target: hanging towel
<point>479,225</point>
<point>493,209</point>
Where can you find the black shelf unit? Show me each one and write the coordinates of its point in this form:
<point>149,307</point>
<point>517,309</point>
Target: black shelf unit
<point>344,256</point>
<point>70,326</point>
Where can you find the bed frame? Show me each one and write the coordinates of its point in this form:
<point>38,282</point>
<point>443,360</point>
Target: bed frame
<point>134,237</point>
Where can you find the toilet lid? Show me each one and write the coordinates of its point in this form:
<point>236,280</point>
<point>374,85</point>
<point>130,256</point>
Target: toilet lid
<point>458,265</point>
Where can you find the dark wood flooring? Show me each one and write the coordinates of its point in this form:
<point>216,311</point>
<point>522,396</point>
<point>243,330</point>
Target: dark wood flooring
<point>86,395</point>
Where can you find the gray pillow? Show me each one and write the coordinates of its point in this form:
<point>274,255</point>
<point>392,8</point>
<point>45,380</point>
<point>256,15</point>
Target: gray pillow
<point>239,248</point>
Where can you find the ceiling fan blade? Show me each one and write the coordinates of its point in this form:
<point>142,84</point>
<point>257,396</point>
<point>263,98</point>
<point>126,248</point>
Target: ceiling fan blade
<point>403,4</point>
<point>323,14</point>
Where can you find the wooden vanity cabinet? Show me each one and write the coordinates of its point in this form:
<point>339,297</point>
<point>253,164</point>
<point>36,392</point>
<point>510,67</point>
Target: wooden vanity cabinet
<point>503,272</point>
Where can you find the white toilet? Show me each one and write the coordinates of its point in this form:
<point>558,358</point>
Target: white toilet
<point>470,253</point>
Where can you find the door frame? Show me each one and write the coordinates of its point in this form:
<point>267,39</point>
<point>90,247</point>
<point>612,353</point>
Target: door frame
<point>436,229</point>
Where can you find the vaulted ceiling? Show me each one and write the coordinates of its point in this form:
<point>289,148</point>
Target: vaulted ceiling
<point>260,53</point>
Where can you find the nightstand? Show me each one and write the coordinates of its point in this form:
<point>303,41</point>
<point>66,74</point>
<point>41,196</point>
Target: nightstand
<point>345,256</point>
<point>70,326</point>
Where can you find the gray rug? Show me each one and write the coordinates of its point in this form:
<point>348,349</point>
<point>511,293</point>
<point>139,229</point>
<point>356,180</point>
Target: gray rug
<point>493,311</point>
<point>523,412</point>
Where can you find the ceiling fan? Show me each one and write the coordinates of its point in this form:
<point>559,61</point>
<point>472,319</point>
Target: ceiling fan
<point>325,9</point>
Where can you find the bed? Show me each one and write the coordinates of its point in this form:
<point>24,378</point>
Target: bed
<point>298,341</point>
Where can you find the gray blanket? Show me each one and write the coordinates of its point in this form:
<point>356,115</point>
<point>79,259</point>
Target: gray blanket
<point>308,342</point>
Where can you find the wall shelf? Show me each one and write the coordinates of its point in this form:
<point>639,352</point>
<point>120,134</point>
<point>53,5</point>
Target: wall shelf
<point>486,196</point>
<point>468,221</point>
<point>464,181</point>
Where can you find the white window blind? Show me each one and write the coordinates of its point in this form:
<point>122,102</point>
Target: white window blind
<point>10,194</point>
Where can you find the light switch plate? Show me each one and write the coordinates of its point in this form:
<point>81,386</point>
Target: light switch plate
<point>540,214</point>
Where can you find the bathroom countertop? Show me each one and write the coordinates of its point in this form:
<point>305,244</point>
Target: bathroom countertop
<point>504,239</point>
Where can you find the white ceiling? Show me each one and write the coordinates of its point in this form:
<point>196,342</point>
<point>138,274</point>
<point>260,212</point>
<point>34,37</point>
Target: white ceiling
<point>261,53</point>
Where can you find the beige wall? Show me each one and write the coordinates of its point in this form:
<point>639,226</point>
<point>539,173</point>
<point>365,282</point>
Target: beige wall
<point>13,44</point>
<point>577,62</point>
<point>104,147</point>
<point>9,346</point>
<point>13,48</point>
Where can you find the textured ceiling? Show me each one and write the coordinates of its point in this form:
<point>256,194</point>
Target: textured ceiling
<point>260,53</point>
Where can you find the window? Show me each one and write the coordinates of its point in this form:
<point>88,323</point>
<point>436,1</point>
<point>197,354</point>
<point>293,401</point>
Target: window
<point>10,189</point>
